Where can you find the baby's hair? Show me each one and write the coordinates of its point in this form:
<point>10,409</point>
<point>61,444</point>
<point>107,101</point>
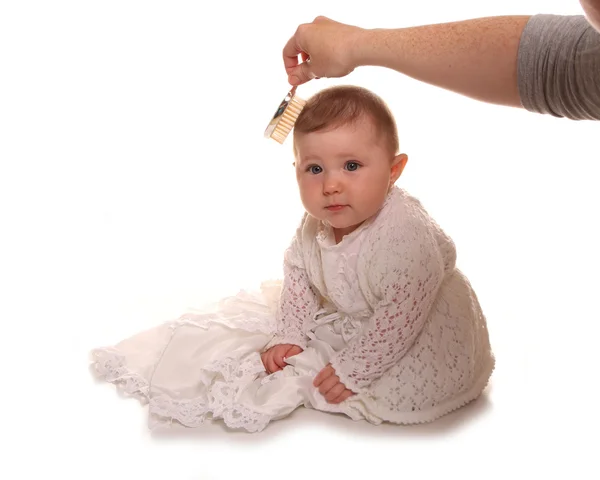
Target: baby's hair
<point>342,105</point>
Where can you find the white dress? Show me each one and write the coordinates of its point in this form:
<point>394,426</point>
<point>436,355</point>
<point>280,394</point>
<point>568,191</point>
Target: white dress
<point>386,307</point>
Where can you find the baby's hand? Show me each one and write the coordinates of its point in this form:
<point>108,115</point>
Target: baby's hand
<point>274,358</point>
<point>330,386</point>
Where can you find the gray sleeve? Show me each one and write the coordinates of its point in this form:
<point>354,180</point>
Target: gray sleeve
<point>559,67</point>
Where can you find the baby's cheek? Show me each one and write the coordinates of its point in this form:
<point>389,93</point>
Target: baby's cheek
<point>309,188</point>
<point>309,195</point>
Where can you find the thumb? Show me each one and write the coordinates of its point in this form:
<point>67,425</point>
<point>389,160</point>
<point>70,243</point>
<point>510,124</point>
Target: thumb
<point>279,357</point>
<point>300,74</point>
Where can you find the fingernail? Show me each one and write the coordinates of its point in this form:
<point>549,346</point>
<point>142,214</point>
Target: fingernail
<point>294,80</point>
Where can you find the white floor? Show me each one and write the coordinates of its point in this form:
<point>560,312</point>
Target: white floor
<point>135,185</point>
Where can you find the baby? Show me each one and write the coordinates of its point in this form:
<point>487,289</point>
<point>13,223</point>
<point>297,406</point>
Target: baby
<point>372,318</point>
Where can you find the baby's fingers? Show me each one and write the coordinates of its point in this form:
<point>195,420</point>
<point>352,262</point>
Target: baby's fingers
<point>279,360</point>
<point>329,384</point>
<point>269,363</point>
<point>293,350</point>
<point>323,375</point>
<point>334,392</point>
<point>343,396</point>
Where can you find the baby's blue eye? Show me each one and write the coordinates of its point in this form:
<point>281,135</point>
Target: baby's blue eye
<point>352,166</point>
<point>315,169</point>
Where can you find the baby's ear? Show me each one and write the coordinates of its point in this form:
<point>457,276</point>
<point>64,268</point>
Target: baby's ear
<point>398,165</point>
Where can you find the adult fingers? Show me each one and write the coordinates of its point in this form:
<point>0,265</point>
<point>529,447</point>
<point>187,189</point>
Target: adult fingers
<point>290,53</point>
<point>300,74</point>
<point>296,44</point>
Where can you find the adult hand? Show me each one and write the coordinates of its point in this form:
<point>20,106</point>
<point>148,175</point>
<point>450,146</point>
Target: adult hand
<point>327,49</point>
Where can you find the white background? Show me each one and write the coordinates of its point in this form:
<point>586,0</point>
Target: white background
<point>135,183</point>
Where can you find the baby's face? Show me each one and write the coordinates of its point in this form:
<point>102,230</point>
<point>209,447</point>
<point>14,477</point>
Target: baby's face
<point>343,174</point>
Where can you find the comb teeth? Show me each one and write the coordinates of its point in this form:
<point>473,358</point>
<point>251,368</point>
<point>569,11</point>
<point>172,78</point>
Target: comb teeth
<point>288,119</point>
<point>284,124</point>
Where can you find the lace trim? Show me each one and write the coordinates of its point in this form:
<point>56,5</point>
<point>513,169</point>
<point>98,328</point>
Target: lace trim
<point>224,379</point>
<point>109,365</point>
<point>232,376</point>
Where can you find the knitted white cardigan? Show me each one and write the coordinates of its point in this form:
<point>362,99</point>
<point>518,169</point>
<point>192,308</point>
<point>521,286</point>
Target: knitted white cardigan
<point>402,265</point>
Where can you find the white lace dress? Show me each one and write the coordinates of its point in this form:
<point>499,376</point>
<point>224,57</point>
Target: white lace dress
<point>386,307</point>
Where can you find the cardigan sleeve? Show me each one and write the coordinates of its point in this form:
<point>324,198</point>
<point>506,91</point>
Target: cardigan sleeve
<point>405,274</point>
<point>298,301</point>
